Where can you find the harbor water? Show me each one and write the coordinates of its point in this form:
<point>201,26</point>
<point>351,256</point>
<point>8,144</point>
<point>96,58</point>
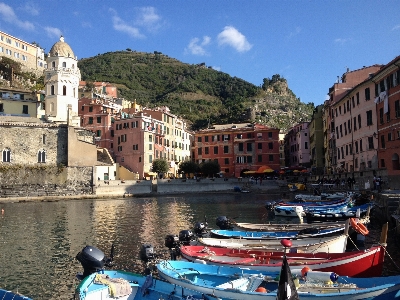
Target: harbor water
<point>39,240</point>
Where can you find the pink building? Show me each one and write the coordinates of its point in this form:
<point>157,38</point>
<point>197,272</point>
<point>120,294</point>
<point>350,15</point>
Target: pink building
<point>297,143</point>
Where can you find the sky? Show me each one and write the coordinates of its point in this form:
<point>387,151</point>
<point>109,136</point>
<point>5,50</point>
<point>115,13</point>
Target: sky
<point>309,43</point>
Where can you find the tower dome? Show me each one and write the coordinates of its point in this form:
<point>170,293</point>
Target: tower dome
<point>61,48</point>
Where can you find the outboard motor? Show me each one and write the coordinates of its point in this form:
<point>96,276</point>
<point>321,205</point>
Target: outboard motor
<point>199,228</point>
<point>147,252</point>
<point>171,241</point>
<point>91,259</point>
<point>185,236</point>
<point>223,223</point>
<point>270,205</point>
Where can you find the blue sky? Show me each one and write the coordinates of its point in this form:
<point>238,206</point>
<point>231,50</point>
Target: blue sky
<point>309,43</point>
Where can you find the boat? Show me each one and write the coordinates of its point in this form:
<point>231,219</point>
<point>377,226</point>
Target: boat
<point>324,244</point>
<point>245,284</point>
<point>300,211</point>
<point>98,283</point>
<point>289,211</point>
<point>268,235</point>
<point>338,215</point>
<point>361,263</point>
<point>9,295</point>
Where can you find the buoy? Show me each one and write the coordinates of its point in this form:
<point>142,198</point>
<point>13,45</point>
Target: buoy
<point>261,290</point>
<point>304,271</point>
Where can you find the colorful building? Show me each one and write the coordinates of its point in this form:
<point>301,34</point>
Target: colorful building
<point>238,147</point>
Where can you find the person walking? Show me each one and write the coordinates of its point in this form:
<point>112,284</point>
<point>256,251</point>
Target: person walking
<point>379,184</point>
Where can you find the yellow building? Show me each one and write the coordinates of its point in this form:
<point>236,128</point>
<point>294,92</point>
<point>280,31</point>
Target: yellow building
<point>29,55</point>
<point>17,102</point>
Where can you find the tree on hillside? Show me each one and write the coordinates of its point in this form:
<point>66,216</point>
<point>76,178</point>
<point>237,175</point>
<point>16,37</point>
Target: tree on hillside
<point>160,166</point>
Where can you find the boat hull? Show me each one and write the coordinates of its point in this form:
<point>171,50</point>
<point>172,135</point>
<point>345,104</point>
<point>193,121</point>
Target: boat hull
<point>368,263</point>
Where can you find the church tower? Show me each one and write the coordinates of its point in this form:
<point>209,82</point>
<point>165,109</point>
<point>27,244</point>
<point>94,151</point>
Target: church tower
<point>61,79</point>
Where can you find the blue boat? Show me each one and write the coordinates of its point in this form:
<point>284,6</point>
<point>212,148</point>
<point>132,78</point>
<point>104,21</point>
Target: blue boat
<point>273,235</point>
<point>8,295</point>
<point>97,283</point>
<point>244,284</point>
<point>339,215</point>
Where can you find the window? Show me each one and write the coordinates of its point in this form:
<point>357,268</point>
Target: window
<point>259,158</point>
<point>199,139</point>
<point>249,159</point>
<point>356,144</point>
<point>135,147</point>
<point>216,150</point>
<point>240,146</point>
<point>359,121</point>
<point>270,134</point>
<point>397,108</point>
<point>249,147</point>
<point>381,115</point>
<point>25,109</point>
<point>383,145</point>
<point>9,52</point>
<point>150,146</point>
<point>6,155</point>
<point>41,156</point>
<point>382,163</point>
<point>199,151</point>
<point>206,150</point>
<point>43,139</point>
<point>150,158</point>
<point>90,120</point>
<point>349,125</point>
<point>226,149</point>
<point>259,146</point>
<point>64,64</point>
<point>98,119</point>
<point>150,138</point>
<point>361,146</point>
<point>98,133</point>
<point>388,115</point>
<point>369,117</point>
<point>140,159</point>
<point>271,157</point>
<point>226,161</point>
<point>355,124</point>
<point>53,64</point>
<point>52,90</point>
<point>90,108</point>
<point>206,138</point>
<point>227,137</point>
<point>306,145</point>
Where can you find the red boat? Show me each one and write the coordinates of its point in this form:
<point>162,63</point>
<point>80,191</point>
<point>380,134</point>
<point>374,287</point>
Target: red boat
<point>362,263</point>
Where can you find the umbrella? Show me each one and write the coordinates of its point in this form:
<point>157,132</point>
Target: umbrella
<point>249,172</point>
<point>296,171</point>
<point>262,168</point>
<point>281,172</point>
<point>268,171</point>
<point>304,171</point>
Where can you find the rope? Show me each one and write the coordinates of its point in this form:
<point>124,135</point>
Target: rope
<point>390,257</point>
<point>353,243</point>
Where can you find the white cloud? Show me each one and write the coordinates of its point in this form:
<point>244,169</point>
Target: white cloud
<point>148,18</point>
<point>53,32</point>
<point>197,48</point>
<point>342,41</point>
<point>232,37</point>
<point>8,15</point>
<point>295,32</point>
<point>120,25</point>
<point>30,8</point>
<point>397,27</point>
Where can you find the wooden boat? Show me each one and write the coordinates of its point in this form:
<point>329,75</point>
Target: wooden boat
<point>9,295</point>
<point>362,263</point>
<point>245,284</point>
<point>325,244</point>
<point>289,211</point>
<point>269,235</point>
<point>121,285</point>
<point>337,215</point>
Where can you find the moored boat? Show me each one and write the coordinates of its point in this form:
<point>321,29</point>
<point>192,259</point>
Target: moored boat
<point>245,284</point>
<point>268,235</point>
<point>9,295</point>
<point>116,284</point>
<point>362,263</point>
<point>339,215</point>
<point>325,244</point>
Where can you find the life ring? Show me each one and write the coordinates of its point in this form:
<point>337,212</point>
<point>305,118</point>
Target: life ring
<point>358,227</point>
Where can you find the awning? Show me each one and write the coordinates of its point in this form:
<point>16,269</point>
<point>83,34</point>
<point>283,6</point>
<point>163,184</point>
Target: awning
<point>151,173</point>
<point>249,172</point>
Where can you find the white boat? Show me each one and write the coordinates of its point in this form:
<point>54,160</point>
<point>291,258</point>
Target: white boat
<point>335,244</point>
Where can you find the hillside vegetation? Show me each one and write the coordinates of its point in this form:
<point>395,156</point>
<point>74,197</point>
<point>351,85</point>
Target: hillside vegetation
<point>197,93</point>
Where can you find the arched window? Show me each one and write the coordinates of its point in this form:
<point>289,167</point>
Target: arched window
<point>53,64</point>
<point>6,155</point>
<point>64,64</point>
<point>41,156</point>
<point>64,90</point>
<point>52,90</point>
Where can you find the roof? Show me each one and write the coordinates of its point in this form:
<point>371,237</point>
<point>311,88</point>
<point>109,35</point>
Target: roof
<point>61,48</point>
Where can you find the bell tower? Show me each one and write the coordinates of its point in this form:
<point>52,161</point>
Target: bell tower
<point>61,79</point>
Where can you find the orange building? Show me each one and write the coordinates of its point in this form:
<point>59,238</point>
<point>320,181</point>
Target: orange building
<point>238,147</point>
<point>387,99</point>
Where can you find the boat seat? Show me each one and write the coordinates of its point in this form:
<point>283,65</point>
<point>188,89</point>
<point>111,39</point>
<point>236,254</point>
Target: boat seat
<point>237,284</point>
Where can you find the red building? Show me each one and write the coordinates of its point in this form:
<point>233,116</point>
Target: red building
<point>238,147</point>
<point>387,99</point>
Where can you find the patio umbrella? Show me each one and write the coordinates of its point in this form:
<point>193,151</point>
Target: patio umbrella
<point>296,171</point>
<point>249,172</point>
<point>262,168</point>
<point>268,171</point>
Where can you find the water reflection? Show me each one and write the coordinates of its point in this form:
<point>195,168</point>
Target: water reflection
<point>39,240</point>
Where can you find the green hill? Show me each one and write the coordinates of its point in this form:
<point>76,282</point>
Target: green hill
<point>196,92</point>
